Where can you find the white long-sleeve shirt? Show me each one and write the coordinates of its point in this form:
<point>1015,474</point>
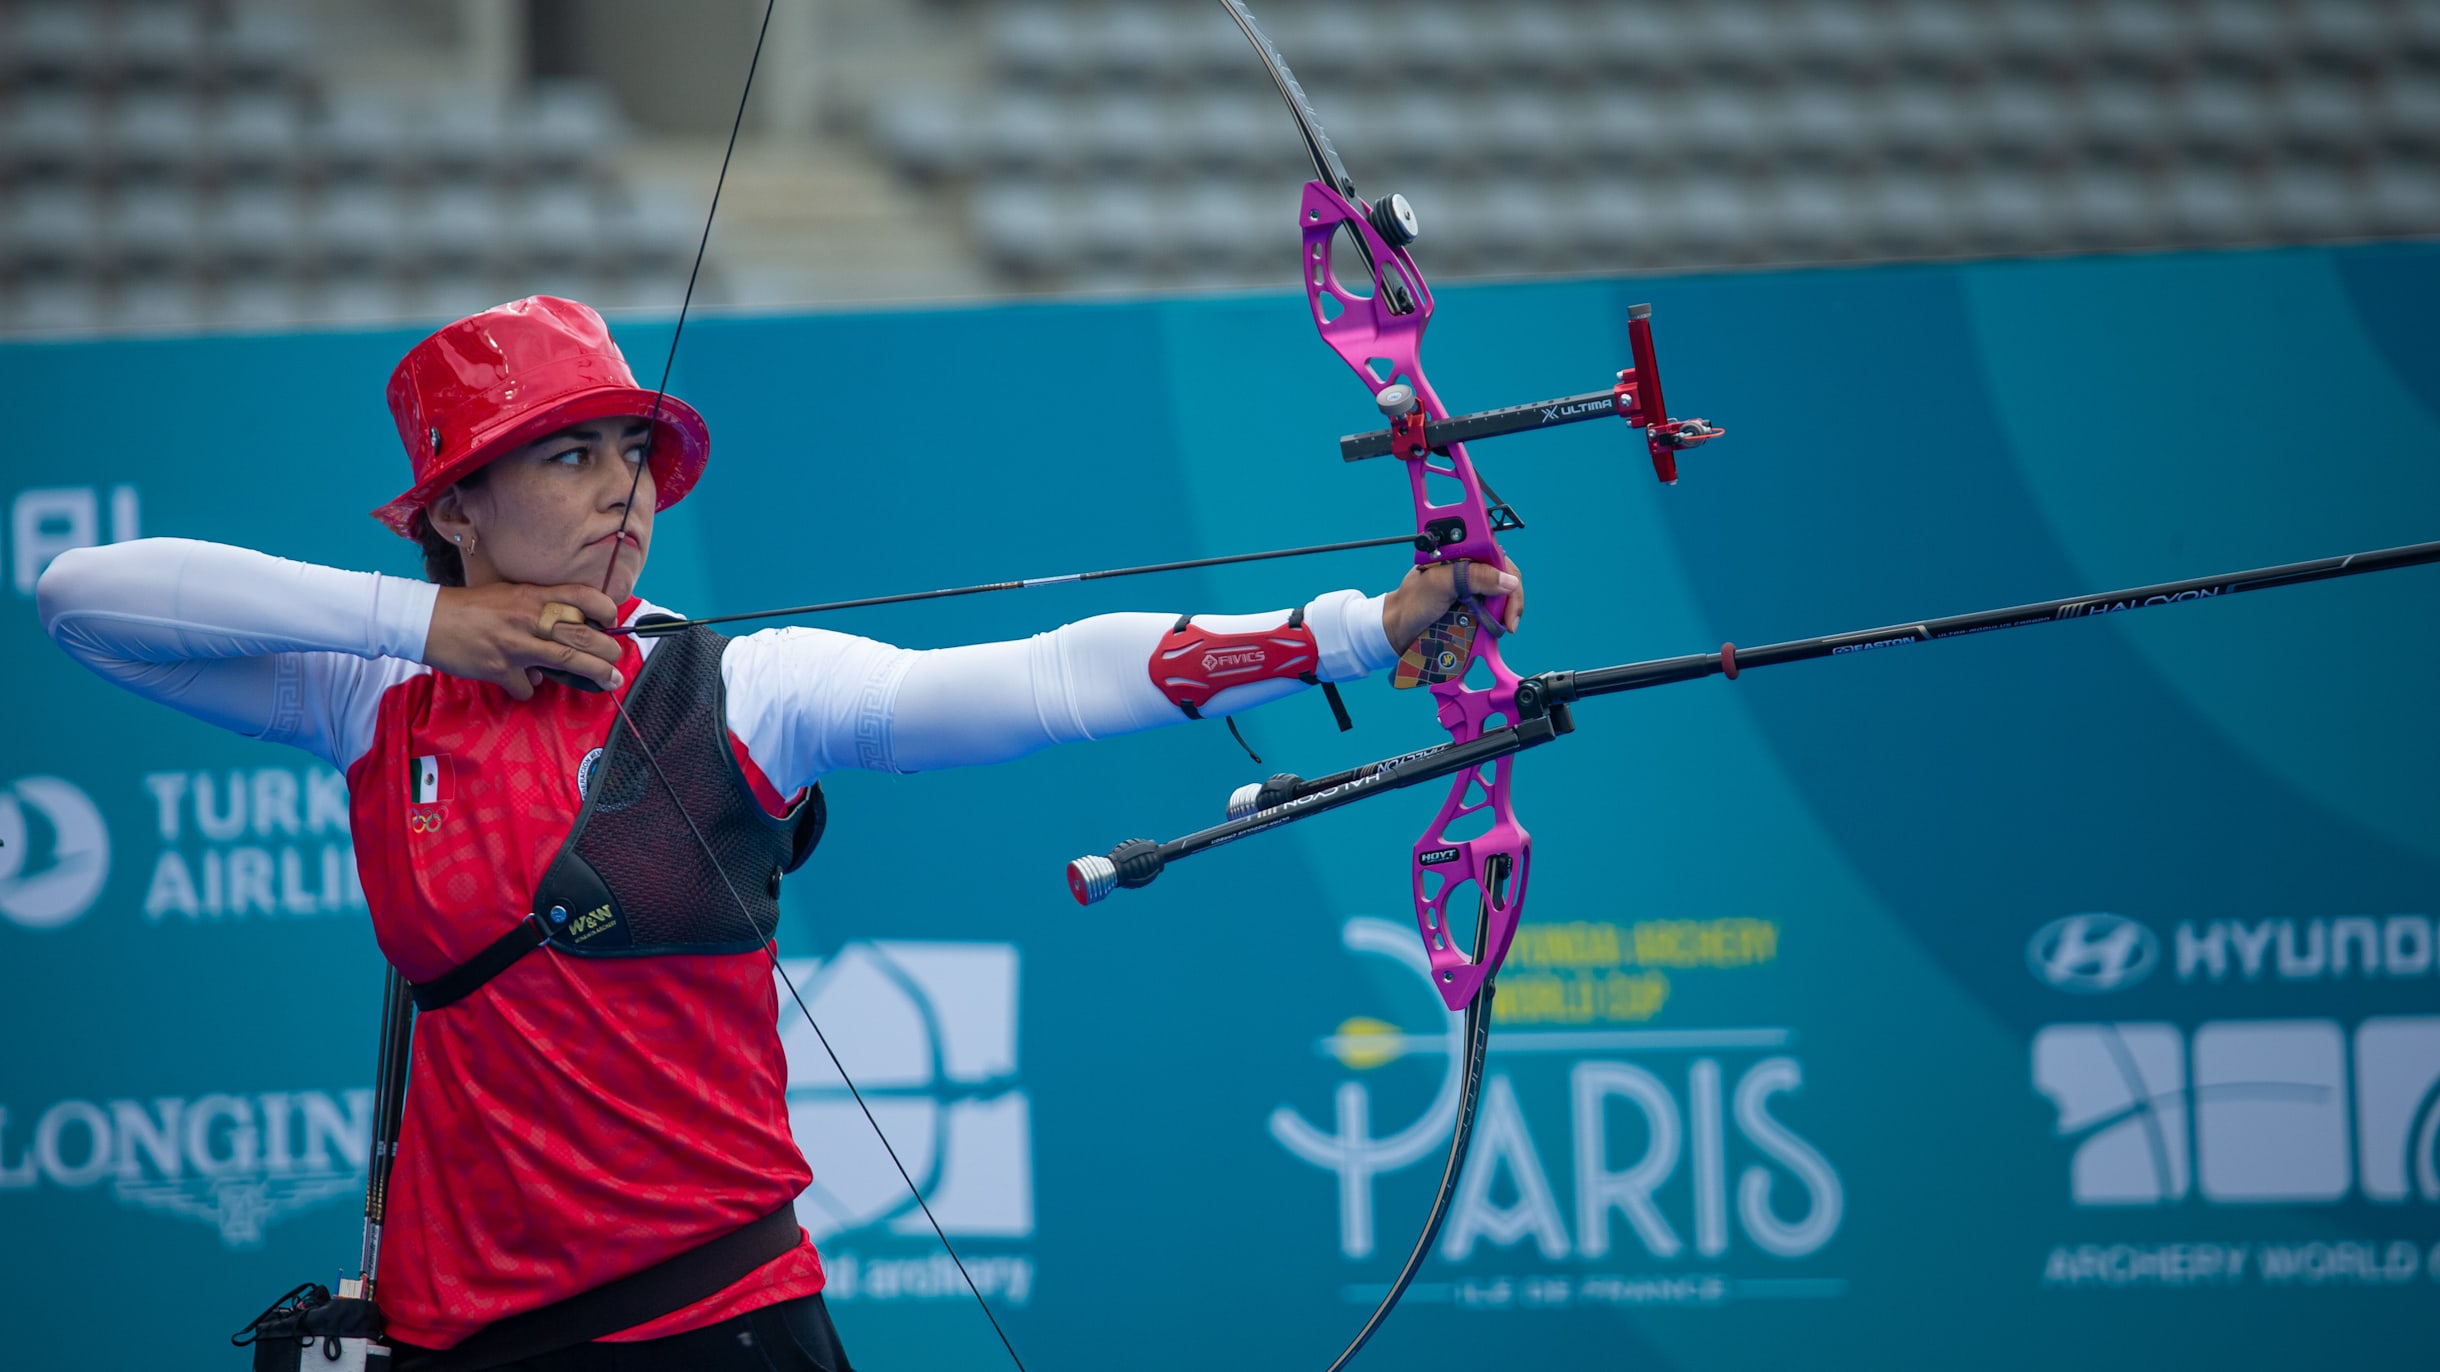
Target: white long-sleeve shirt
<point>300,654</point>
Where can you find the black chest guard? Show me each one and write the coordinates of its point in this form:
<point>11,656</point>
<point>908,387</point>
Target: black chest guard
<point>644,873</point>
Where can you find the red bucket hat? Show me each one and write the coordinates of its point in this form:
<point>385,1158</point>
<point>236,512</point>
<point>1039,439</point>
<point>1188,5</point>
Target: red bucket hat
<point>512,374</point>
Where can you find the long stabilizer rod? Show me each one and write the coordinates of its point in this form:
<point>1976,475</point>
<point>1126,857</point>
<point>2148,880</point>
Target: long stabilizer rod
<point>1542,714</point>
<point>1732,660</point>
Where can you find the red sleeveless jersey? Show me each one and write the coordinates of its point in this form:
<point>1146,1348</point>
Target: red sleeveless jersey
<point>577,1119</point>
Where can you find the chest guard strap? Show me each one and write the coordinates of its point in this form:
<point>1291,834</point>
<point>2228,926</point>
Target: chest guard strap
<point>631,879</point>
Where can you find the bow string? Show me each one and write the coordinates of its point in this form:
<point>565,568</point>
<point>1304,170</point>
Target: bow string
<point>644,746</point>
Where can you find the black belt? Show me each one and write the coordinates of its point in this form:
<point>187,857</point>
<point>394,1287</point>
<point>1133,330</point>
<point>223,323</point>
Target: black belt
<point>691,1276</point>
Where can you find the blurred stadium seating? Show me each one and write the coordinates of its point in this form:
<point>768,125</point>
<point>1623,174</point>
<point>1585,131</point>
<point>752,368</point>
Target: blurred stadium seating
<point>172,164</point>
<point>183,165</point>
<point>1606,136</point>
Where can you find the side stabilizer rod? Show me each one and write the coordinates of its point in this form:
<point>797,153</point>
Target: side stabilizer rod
<point>1137,861</point>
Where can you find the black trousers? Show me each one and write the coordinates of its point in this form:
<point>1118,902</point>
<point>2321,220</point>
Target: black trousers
<point>792,1336</point>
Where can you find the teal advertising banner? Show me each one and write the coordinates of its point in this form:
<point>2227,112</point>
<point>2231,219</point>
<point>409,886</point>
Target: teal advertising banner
<point>2063,997</point>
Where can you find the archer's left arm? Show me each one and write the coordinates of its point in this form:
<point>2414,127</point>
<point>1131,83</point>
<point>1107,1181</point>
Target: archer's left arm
<point>807,702</point>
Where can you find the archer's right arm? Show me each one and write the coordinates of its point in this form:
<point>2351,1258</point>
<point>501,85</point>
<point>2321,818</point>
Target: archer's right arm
<point>259,645</point>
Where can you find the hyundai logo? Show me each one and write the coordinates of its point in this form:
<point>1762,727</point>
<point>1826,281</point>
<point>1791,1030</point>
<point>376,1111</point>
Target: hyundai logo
<point>2092,953</point>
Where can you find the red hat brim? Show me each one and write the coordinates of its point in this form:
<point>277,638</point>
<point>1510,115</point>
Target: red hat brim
<point>681,445</point>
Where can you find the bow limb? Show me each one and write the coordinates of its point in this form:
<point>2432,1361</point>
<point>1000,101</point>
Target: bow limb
<point>1477,1036</point>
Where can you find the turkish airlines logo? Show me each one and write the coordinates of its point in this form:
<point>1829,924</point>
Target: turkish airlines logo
<point>54,852</point>
<point>1232,658</point>
<point>2092,953</point>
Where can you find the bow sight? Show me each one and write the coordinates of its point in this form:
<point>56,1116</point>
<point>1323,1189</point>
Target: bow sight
<point>1636,398</point>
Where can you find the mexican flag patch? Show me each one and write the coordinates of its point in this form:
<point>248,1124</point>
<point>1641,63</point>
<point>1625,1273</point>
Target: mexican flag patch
<point>431,779</point>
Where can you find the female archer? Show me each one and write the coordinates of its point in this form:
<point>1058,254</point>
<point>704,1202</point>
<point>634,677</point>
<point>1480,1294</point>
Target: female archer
<point>545,815</point>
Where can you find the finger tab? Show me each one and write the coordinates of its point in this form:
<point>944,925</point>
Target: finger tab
<point>554,614</point>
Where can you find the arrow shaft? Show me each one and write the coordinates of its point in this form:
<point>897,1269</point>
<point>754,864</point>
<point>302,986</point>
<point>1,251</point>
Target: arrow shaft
<point>660,627</point>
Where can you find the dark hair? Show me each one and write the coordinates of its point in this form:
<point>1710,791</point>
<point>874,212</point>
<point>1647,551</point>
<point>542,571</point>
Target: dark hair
<point>444,565</point>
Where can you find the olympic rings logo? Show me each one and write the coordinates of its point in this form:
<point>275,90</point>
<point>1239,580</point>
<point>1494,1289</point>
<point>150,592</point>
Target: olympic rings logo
<point>424,821</point>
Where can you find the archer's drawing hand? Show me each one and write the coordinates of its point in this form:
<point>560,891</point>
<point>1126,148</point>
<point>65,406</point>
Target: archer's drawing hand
<point>489,633</point>
<point>1429,591</point>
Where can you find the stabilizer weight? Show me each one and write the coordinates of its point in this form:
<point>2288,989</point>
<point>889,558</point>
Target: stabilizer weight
<point>1131,864</point>
<point>1262,795</point>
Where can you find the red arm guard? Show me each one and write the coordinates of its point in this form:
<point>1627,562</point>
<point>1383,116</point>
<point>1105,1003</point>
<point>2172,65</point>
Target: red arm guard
<point>1191,665</point>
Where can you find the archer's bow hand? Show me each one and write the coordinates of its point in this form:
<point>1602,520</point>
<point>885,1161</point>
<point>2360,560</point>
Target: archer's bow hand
<point>509,634</point>
<point>1433,589</point>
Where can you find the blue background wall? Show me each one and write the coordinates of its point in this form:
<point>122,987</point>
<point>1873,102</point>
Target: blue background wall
<point>1805,927</point>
